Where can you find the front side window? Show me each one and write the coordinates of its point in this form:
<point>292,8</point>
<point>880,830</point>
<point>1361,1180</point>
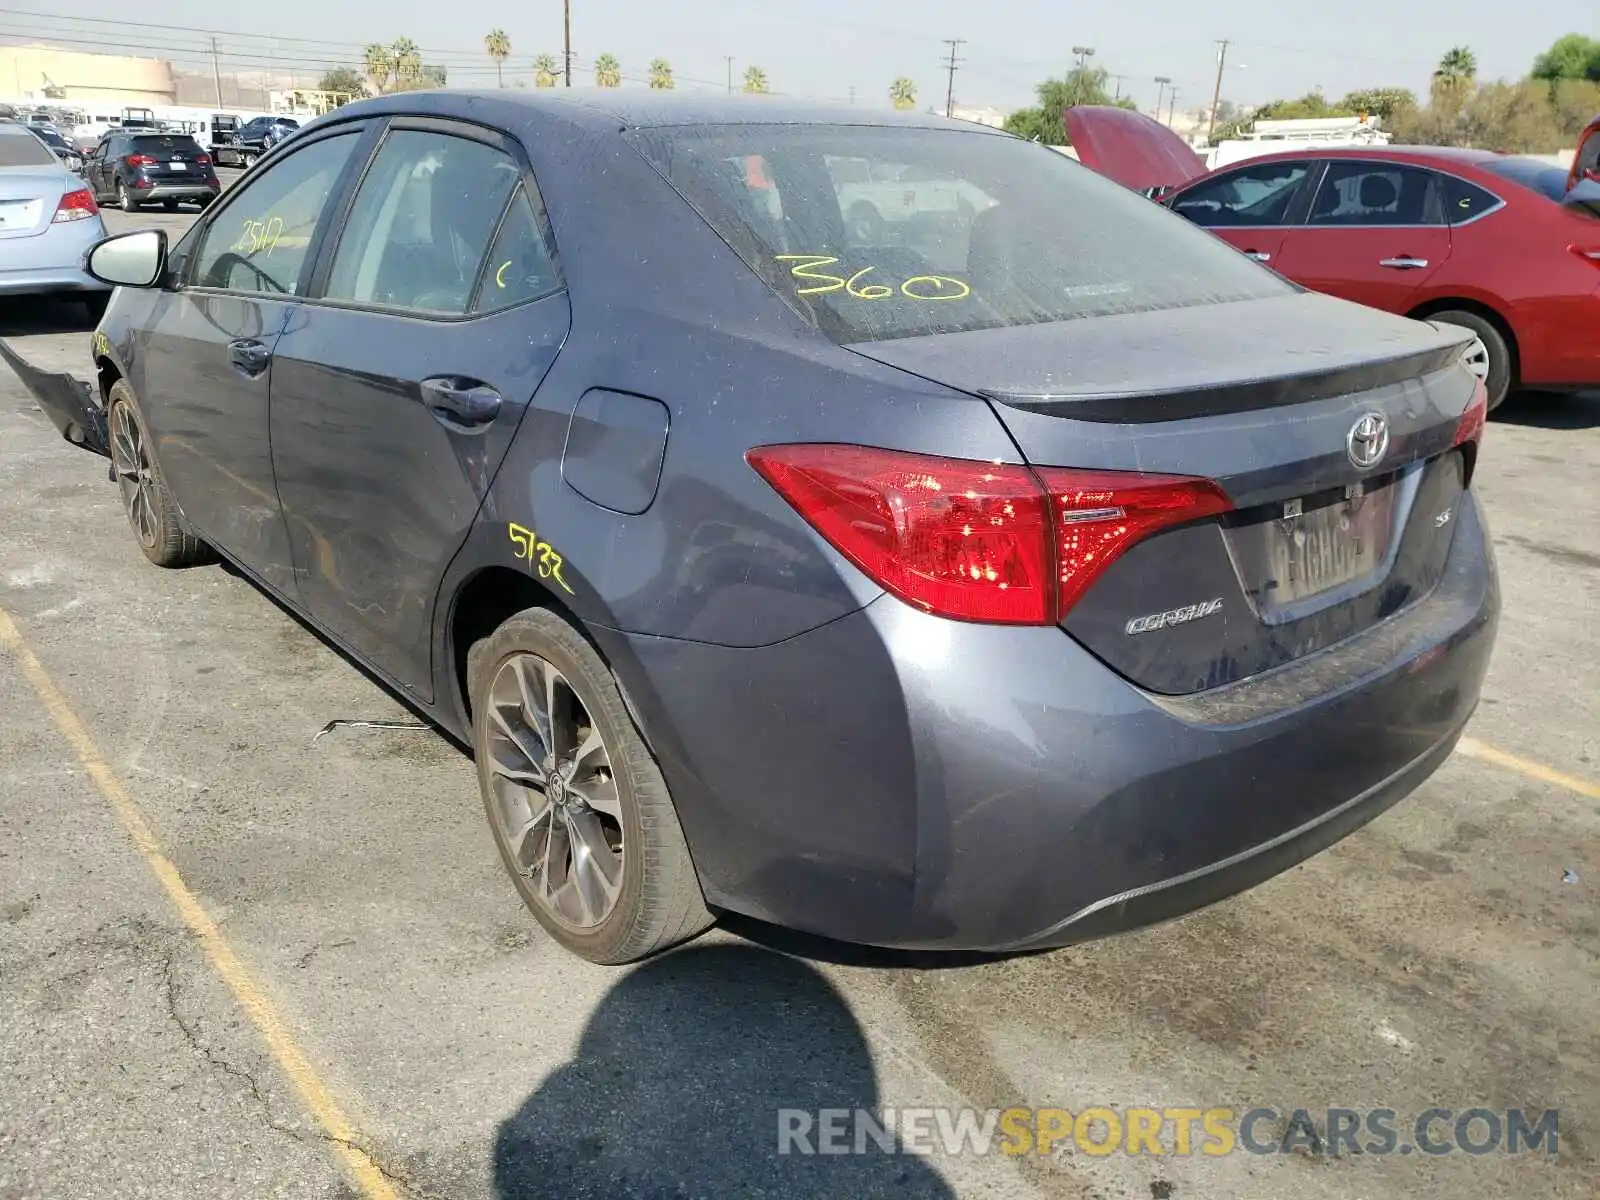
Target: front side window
<point>422,224</point>
<point>1251,196</point>
<point>259,243</point>
<point>885,232</point>
<point>1377,193</point>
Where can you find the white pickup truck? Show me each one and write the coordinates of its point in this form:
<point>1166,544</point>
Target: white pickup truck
<point>873,198</point>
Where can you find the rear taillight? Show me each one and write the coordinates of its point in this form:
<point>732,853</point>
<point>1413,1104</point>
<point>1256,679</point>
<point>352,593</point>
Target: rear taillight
<point>978,541</point>
<point>203,161</point>
<point>139,160</point>
<point>1470,427</point>
<point>75,206</point>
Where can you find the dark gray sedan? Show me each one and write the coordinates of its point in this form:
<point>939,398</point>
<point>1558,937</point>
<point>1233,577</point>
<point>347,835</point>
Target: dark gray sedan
<point>1020,567</point>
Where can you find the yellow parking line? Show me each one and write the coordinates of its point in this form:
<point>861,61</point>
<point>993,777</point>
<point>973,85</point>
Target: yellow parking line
<point>1499,758</point>
<point>246,992</point>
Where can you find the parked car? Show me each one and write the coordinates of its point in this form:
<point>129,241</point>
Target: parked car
<point>256,137</point>
<point>1469,237</point>
<point>136,168</point>
<point>48,222</point>
<point>64,150</point>
<point>1049,579</point>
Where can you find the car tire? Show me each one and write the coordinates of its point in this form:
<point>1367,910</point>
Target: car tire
<point>641,895</point>
<point>125,200</point>
<point>170,205</point>
<point>1495,362</point>
<point>152,513</point>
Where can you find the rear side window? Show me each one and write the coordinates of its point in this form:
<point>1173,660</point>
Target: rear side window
<point>1261,195</point>
<point>1377,193</point>
<point>22,149</point>
<point>886,232</point>
<point>1463,200</point>
<point>422,223</point>
<point>520,267</point>
<point>259,243</point>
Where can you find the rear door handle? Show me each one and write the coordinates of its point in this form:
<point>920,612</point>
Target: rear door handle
<point>464,405</point>
<point>250,356</point>
<point>1404,263</point>
<point>1258,255</point>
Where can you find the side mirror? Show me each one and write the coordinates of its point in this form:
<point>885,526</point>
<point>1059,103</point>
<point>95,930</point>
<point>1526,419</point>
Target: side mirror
<point>130,259</point>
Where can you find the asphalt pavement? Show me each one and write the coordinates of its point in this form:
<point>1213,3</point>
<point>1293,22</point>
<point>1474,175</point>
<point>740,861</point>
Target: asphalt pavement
<point>236,961</point>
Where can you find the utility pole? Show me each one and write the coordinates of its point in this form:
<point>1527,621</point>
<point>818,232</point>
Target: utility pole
<point>1119,79</point>
<point>1172,106</point>
<point>950,66</point>
<point>728,58</point>
<point>1216,96</point>
<point>216,71</point>
<point>1161,92</point>
<point>567,14</point>
<point>1084,53</point>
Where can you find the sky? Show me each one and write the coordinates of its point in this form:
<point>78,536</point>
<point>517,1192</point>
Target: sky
<point>826,48</point>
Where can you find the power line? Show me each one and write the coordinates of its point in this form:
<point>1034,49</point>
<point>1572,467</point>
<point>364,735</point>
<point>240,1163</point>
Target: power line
<point>950,87</point>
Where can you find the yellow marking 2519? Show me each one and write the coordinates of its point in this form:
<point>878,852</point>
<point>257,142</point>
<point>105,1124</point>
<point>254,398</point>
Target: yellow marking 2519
<point>541,556</point>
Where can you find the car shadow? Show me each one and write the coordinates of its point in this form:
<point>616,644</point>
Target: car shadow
<point>678,1086</point>
<point>847,954</point>
<point>24,316</point>
<point>1551,410</point>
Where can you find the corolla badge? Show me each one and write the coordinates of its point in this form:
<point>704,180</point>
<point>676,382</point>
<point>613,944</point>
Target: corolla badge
<point>1368,440</point>
<point>1173,616</point>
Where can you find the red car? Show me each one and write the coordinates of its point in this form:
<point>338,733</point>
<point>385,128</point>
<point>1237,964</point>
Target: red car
<point>1508,247</point>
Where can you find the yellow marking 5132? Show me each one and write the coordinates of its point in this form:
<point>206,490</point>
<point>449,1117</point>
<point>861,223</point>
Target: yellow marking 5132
<point>541,556</point>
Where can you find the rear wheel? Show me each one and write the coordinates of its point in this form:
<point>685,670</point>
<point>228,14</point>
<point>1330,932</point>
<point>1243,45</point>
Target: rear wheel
<point>125,200</point>
<point>150,508</point>
<point>1489,357</point>
<point>578,807</point>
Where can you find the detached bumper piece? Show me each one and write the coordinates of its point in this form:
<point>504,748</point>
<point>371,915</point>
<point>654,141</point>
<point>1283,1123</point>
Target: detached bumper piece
<point>68,401</point>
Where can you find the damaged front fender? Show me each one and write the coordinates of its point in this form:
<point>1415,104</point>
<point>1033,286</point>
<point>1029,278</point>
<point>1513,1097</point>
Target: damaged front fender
<point>67,400</point>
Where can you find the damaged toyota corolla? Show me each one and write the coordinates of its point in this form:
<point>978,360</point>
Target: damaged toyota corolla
<point>1022,569</point>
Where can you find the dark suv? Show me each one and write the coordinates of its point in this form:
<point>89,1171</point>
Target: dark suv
<point>140,168</point>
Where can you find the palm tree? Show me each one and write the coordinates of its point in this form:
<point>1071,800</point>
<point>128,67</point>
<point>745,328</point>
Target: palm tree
<point>607,71</point>
<point>379,66</point>
<point>407,64</point>
<point>755,80</point>
<point>544,70</point>
<point>661,74</point>
<point>903,92</point>
<point>498,46</point>
<point>1458,65</point>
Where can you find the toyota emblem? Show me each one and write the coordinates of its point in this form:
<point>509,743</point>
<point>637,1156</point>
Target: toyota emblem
<point>1368,440</point>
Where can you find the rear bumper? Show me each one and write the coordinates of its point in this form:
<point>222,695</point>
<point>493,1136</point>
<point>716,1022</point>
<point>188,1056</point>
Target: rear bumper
<point>68,401</point>
<point>39,280</point>
<point>176,191</point>
<point>901,780</point>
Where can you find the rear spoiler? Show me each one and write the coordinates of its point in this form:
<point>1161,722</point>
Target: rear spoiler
<point>68,401</point>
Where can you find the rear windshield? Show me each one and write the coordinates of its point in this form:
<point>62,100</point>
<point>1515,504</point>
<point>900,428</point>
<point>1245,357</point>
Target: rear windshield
<point>167,145</point>
<point>882,232</point>
<point>1550,182</point>
<point>21,149</point>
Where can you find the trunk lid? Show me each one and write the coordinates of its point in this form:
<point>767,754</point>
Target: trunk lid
<point>1331,427</point>
<point>1132,149</point>
<point>28,199</point>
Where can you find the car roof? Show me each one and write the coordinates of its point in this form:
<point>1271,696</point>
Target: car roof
<point>644,107</point>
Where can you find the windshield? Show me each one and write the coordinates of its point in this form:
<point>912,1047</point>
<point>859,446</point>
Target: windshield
<point>1550,182</point>
<point>22,149</point>
<point>884,232</point>
<point>164,145</point>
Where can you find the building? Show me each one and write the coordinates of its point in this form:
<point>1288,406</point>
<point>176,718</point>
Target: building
<point>90,81</point>
<point>988,115</point>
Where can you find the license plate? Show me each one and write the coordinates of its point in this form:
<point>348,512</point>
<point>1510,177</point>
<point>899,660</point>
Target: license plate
<point>19,214</point>
<point>178,166</point>
<point>1316,551</point>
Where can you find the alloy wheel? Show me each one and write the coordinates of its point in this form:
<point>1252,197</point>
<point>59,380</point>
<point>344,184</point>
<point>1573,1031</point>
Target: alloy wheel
<point>131,463</point>
<point>554,805</point>
<point>1476,359</point>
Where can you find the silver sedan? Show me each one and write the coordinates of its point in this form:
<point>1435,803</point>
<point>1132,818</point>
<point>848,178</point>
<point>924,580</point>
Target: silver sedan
<point>48,221</point>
